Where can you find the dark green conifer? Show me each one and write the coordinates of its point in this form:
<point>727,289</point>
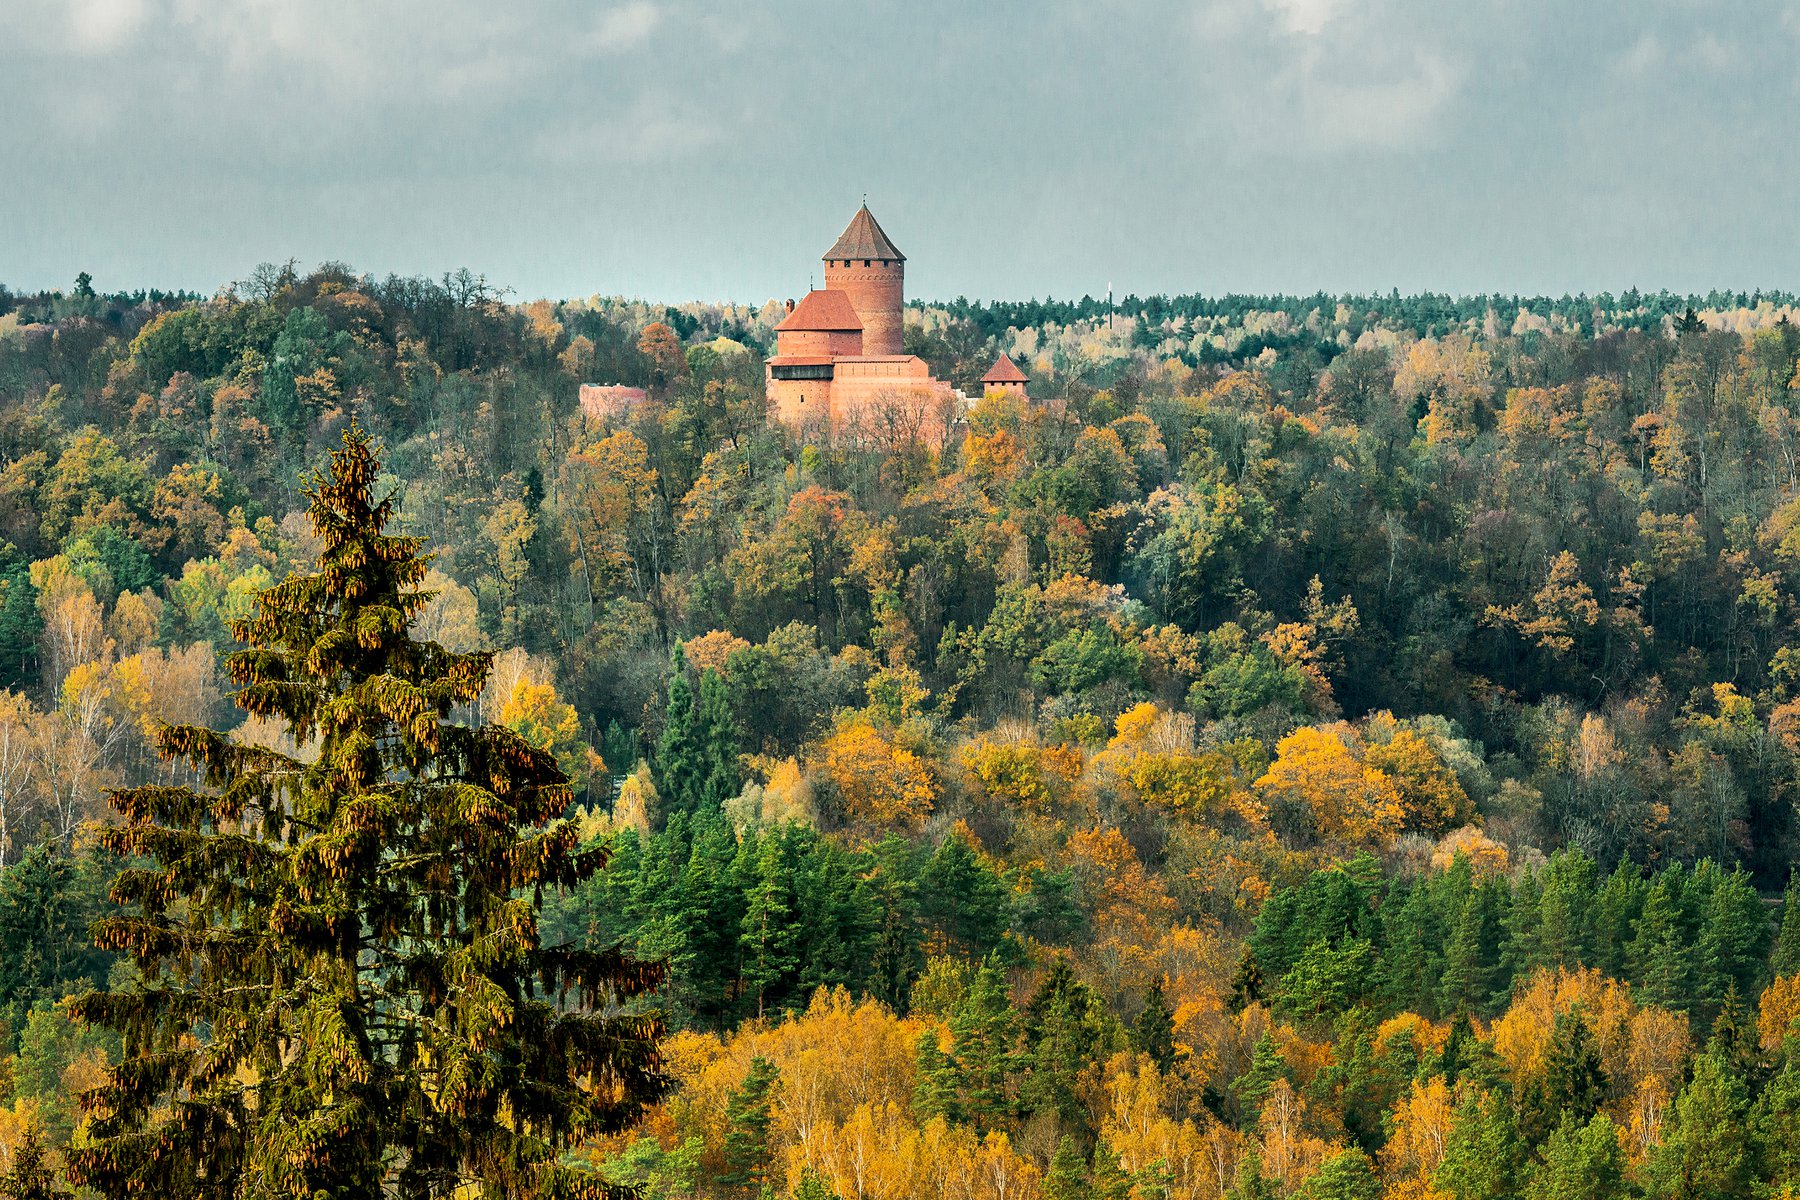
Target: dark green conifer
<point>716,729</point>
<point>961,898</point>
<point>769,938</point>
<point>1067,1029</point>
<point>21,625</point>
<point>1246,980</point>
<point>1787,944</point>
<point>1734,936</point>
<point>1458,1048</point>
<point>1412,953</point>
<point>1482,1154</point>
<point>1250,1183</point>
<point>679,769</point>
<point>1615,916</point>
<point>1775,1124</point>
<point>1705,1151</point>
<point>1581,1162</point>
<point>1266,1066</point>
<point>1567,889</point>
<point>1574,1080</point>
<point>1471,956</point>
<point>812,1186</point>
<point>1346,1175</point>
<point>1523,946</point>
<point>1067,1177</point>
<point>747,1116</point>
<point>1734,1036</point>
<point>936,1086</point>
<point>1106,1178</point>
<point>982,1050</point>
<point>31,1177</point>
<point>1153,1034</point>
<point>342,991</point>
<point>1659,949</point>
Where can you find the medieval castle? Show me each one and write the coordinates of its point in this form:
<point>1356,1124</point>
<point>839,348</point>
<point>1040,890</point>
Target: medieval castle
<point>839,366</point>
<point>838,362</point>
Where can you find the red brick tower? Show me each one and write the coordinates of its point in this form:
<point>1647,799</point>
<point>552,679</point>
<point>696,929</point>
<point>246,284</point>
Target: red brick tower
<point>1005,378</point>
<point>870,269</point>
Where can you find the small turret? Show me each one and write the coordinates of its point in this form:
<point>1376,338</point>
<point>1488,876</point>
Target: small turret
<point>1004,378</point>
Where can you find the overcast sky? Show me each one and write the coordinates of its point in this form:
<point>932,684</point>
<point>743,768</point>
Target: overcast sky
<point>683,149</point>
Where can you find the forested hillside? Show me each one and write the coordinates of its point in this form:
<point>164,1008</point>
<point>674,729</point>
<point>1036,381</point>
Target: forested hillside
<point>1322,747</point>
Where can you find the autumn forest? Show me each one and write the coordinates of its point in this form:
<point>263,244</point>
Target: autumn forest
<point>1331,747</point>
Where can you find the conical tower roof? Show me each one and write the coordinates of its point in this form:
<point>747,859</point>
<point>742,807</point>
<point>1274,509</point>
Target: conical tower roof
<point>863,238</point>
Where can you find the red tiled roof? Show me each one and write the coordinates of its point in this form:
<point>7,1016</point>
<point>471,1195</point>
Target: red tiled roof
<point>1003,371</point>
<point>803,360</point>
<point>863,238</point>
<point>827,309</point>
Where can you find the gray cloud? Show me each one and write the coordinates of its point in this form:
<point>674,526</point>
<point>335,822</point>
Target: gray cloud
<point>682,148</point>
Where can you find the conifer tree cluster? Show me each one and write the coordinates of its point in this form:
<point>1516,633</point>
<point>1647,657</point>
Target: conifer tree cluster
<point>1694,940</point>
<point>342,991</point>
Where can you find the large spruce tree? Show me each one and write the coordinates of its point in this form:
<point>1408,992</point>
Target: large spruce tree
<point>343,992</point>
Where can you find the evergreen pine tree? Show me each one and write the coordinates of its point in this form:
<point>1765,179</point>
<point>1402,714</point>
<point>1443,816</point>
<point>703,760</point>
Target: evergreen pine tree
<point>715,727</point>
<point>1154,1032</point>
<point>1581,1162</point>
<point>936,1086</point>
<point>1412,955</point>
<point>962,898</point>
<point>1567,885</point>
<point>1106,1178</point>
<point>1616,913</point>
<point>341,989</point>
<point>982,1049</point>
<point>1266,1066</point>
<point>1706,1155</point>
<point>1246,980</point>
<point>31,1177</point>
<point>1067,1030</point>
<point>1658,951</point>
<point>718,875</point>
<point>812,1186</point>
<point>1467,983</point>
<point>679,769</point>
<point>1787,945</point>
<point>834,908</point>
<point>1457,1048</point>
<point>21,625</point>
<point>769,937</point>
<point>1734,1036</point>
<point>1250,1183</point>
<point>899,954</point>
<point>1067,1177</point>
<point>1775,1126</point>
<point>1734,936</point>
<point>1482,1152</point>
<point>1523,946</point>
<point>1574,1080</point>
<point>747,1116</point>
<point>1346,1175</point>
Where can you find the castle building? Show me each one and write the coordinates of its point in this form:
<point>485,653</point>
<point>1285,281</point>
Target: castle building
<point>839,366</point>
<point>1004,378</point>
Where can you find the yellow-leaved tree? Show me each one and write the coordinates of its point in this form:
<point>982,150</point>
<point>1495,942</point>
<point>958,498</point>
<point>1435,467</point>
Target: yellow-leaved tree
<point>881,783</point>
<point>1316,779</point>
<point>536,713</point>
